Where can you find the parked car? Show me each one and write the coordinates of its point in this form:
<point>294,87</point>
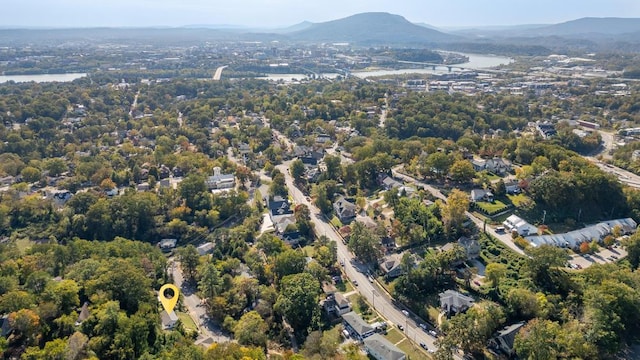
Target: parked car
<point>355,282</point>
<point>424,346</point>
<point>405,312</point>
<point>423,327</point>
<point>433,333</point>
<point>400,327</point>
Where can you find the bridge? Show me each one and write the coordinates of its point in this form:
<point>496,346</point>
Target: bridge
<point>450,67</point>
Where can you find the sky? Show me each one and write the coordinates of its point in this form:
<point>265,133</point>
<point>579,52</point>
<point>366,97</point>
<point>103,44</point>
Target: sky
<point>282,13</point>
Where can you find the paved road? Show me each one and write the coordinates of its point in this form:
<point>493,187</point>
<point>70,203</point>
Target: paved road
<point>218,73</point>
<point>209,332</point>
<point>503,237</point>
<point>377,297</point>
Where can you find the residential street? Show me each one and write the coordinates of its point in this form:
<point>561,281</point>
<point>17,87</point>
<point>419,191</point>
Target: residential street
<point>209,332</point>
<point>377,297</point>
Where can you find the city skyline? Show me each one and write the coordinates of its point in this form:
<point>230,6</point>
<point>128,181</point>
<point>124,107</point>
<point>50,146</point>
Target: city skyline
<point>282,13</point>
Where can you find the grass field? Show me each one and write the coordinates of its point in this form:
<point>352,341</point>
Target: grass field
<point>519,199</point>
<point>187,321</point>
<point>493,207</point>
<point>336,222</point>
<point>23,244</point>
<point>394,335</point>
<point>414,352</point>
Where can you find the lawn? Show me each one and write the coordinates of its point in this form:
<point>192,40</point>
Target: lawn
<point>414,352</point>
<point>187,321</point>
<point>493,207</point>
<point>394,335</point>
<point>23,244</point>
<point>336,222</point>
<point>519,200</point>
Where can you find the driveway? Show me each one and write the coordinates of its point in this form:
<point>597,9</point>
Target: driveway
<point>209,332</point>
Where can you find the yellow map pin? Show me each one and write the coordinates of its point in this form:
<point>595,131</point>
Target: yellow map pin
<point>168,303</point>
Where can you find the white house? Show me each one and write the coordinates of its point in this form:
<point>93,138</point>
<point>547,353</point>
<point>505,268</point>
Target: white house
<point>220,180</point>
<point>169,321</point>
<point>382,349</point>
<point>523,228</point>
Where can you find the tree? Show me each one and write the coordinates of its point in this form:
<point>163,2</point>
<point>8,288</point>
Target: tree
<point>495,272</point>
<point>194,192</point>
<point>543,262</point>
<point>454,211</point>
<point>233,351</point>
<point>585,248</point>
<point>26,323</point>
<point>499,188</point>
<point>289,262</point>
<point>364,244</point>
<point>189,260</point>
<point>632,245</point>
<point>278,185</point>
<point>243,174</point>
<point>470,331</point>
<point>251,329</point>
<point>297,300</point>
<point>437,163</point>
<point>538,340</point>
<point>31,174</point>
<point>462,171</point>
<point>303,220</point>
<point>334,169</point>
<point>297,169</point>
<point>55,166</point>
<point>209,283</point>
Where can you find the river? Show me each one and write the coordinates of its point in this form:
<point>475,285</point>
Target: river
<point>476,62</point>
<point>42,77</point>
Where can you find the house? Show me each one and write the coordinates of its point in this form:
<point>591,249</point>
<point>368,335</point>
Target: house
<point>378,347</point>
<point>342,305</point>
<point>388,183</point>
<point>515,224</point>
<point>546,130</point>
<point>356,326</point>
<point>167,245</point>
<point>512,187</point>
<point>5,326</point>
<point>169,320</point>
<point>495,165</point>
<point>220,180</point>
<point>205,248</point>
<point>471,246</point>
<point>345,210</point>
<point>244,148</point>
<point>279,206</point>
<point>481,195</point>
<point>143,187</point>
<point>452,302</point>
<point>503,340</point>
<point>391,266</point>
<point>84,313</point>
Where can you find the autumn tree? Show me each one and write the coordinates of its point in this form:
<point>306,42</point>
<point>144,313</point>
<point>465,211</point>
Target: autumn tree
<point>454,212</point>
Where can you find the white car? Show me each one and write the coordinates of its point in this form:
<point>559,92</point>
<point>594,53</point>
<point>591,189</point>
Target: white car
<point>405,312</point>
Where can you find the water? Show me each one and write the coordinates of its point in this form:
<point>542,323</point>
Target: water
<point>42,77</point>
<point>476,62</point>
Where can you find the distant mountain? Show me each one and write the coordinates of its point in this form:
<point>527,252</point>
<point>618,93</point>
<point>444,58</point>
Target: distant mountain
<point>372,28</point>
<point>297,27</point>
<point>589,25</point>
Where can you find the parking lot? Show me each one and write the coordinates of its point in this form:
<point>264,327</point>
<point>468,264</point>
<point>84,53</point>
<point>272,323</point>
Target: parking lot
<point>601,257</point>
